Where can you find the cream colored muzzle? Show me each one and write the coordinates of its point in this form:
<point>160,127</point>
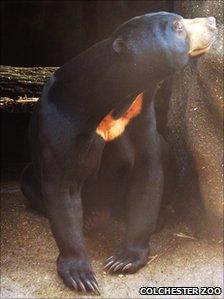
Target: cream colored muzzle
<point>201,33</point>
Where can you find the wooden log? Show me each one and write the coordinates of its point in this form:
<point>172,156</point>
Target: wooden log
<point>18,82</point>
<point>21,105</point>
<point>20,87</point>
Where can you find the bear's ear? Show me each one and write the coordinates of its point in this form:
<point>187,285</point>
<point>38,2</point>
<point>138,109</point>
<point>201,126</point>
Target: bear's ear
<point>119,45</point>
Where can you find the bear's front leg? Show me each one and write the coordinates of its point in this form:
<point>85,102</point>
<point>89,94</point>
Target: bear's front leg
<point>143,204</point>
<point>63,173</point>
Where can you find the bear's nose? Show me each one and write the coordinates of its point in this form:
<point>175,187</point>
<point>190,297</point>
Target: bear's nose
<point>211,22</point>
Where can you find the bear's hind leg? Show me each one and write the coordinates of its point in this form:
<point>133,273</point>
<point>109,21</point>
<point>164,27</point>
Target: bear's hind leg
<point>31,188</point>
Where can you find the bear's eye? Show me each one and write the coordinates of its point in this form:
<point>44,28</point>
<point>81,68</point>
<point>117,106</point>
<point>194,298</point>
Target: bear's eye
<point>178,26</point>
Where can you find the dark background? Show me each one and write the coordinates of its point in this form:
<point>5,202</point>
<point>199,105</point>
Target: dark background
<point>48,33</point>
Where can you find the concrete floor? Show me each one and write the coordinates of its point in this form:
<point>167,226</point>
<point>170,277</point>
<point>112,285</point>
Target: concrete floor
<point>28,254</point>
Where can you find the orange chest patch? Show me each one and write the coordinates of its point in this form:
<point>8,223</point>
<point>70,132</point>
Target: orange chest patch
<point>110,128</point>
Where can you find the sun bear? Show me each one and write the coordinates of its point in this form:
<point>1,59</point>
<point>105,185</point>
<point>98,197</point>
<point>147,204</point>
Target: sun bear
<point>94,135</point>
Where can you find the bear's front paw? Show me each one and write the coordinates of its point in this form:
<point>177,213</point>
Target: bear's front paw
<point>77,274</point>
<point>127,260</point>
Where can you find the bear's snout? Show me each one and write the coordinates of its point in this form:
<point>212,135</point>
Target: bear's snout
<point>201,34</point>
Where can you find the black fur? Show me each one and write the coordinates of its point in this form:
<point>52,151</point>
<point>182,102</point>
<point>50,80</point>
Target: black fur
<point>71,163</point>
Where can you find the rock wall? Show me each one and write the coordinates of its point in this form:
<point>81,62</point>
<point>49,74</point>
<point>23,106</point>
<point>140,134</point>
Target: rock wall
<point>195,128</point>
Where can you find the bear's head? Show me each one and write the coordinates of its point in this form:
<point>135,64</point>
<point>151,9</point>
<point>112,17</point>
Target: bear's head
<point>161,43</point>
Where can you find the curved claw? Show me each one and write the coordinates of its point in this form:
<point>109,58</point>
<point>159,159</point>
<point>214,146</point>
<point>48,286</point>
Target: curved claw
<point>96,288</point>
<point>81,285</point>
<point>113,266</point>
<point>74,284</point>
<point>94,278</point>
<point>108,264</point>
<point>128,266</point>
<point>90,285</point>
<point>109,258</point>
<point>119,266</point>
